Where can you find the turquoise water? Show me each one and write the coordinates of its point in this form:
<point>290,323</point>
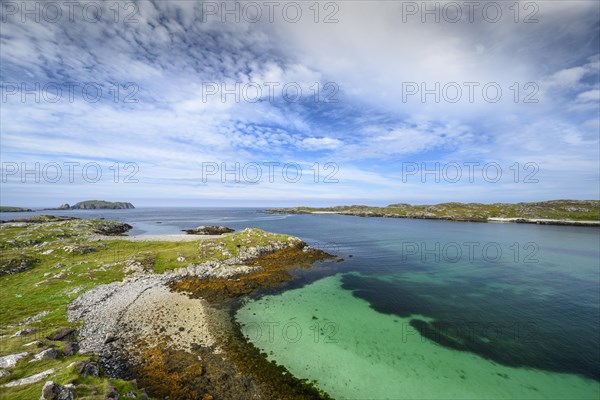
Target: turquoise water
<point>361,354</point>
<point>430,310</point>
<point>422,309</point>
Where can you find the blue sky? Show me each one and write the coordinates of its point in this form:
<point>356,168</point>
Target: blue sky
<point>370,129</point>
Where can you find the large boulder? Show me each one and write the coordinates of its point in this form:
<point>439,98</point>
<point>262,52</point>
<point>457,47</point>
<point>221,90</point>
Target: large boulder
<point>54,391</point>
<point>209,230</point>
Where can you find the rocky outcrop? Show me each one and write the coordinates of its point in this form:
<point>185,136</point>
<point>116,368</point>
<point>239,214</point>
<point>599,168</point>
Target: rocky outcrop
<point>11,360</point>
<point>209,230</point>
<point>9,266</point>
<point>101,204</point>
<point>31,379</point>
<point>54,391</point>
<point>50,353</point>
<point>112,228</point>
<point>95,205</point>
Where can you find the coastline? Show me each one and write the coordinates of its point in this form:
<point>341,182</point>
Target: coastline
<point>149,330</point>
<point>139,315</point>
<point>452,218</point>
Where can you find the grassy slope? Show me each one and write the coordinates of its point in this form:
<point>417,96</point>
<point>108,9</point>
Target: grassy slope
<point>22,298</point>
<point>578,210</point>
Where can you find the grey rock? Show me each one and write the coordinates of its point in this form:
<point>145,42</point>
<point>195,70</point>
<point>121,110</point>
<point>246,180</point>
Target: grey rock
<point>12,359</point>
<point>46,354</point>
<point>209,230</point>
<point>24,332</point>
<point>88,368</point>
<point>54,391</point>
<point>31,379</point>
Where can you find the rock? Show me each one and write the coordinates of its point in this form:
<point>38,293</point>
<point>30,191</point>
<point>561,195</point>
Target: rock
<point>209,230</point>
<point>79,249</point>
<point>24,332</point>
<point>112,393</point>
<point>65,206</point>
<point>31,379</point>
<point>112,228</point>
<point>45,253</point>
<point>35,318</point>
<point>88,368</point>
<point>181,259</point>
<point>54,391</point>
<point>71,348</point>
<point>109,338</point>
<point>60,334</point>
<point>46,354</point>
<point>14,265</point>
<point>3,373</point>
<point>35,343</point>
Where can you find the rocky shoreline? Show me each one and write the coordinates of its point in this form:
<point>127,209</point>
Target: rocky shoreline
<point>556,212</point>
<point>92,313</point>
<point>145,318</point>
<point>537,221</point>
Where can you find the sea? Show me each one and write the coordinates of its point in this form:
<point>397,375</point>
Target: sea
<point>419,309</point>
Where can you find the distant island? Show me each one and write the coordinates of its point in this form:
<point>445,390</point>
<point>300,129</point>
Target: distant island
<point>14,209</point>
<point>96,205</point>
<point>554,212</point>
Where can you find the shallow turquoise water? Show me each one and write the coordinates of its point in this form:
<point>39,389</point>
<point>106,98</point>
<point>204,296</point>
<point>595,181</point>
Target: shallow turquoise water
<point>421,312</point>
<point>361,354</point>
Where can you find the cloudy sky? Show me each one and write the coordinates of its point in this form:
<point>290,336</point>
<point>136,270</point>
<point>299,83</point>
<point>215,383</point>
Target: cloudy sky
<point>190,103</point>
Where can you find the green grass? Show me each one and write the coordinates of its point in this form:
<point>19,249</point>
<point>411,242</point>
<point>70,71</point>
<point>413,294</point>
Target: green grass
<point>577,210</point>
<point>60,275</point>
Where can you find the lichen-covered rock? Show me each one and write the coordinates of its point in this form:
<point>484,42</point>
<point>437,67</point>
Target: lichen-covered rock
<point>46,354</point>
<point>13,265</point>
<point>112,228</point>
<point>54,391</point>
<point>88,368</point>
<point>11,360</point>
<point>61,333</point>
<point>31,379</point>
<point>79,249</point>
<point>209,230</point>
<point>24,332</point>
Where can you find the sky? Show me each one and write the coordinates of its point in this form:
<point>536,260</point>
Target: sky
<point>189,103</point>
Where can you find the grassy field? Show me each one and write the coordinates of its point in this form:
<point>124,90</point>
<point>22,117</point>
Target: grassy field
<point>576,210</point>
<point>62,262</point>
